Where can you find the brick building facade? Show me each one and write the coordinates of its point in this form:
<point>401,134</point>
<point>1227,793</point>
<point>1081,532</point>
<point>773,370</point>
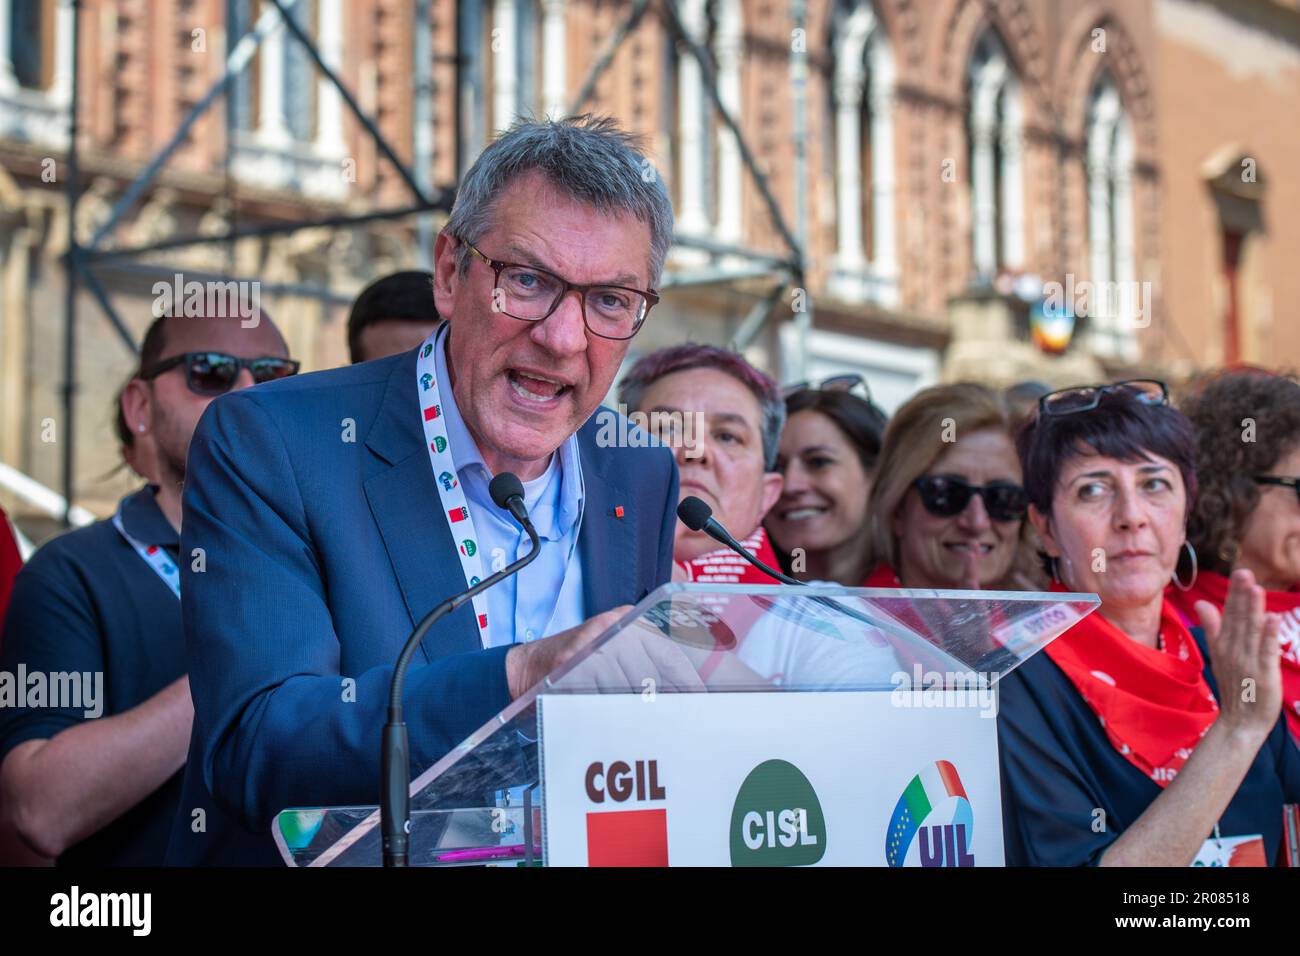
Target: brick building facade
<point>960,154</point>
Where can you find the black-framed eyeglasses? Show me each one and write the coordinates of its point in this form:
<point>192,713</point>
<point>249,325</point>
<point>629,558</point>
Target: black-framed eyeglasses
<point>215,373</point>
<point>947,496</point>
<point>531,294</point>
<point>1285,482</point>
<point>1083,398</point>
<point>851,382</point>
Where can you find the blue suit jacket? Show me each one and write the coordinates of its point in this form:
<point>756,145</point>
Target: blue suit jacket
<point>323,544</point>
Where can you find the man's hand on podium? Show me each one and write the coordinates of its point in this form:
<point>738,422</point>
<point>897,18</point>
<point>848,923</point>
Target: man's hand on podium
<point>527,664</point>
<point>637,659</point>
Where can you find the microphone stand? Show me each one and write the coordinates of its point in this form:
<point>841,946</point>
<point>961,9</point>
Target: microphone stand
<point>395,756</point>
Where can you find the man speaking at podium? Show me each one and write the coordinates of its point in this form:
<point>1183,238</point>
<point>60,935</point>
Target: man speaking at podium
<point>332,514</point>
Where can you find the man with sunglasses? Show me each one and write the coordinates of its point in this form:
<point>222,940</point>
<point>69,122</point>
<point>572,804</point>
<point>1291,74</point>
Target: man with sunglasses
<point>337,509</point>
<point>97,781</point>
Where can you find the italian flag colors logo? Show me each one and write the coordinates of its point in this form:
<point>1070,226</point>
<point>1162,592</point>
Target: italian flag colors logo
<point>934,785</point>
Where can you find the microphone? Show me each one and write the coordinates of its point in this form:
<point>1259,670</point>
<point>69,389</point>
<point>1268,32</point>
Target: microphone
<point>507,493</point>
<point>698,516</point>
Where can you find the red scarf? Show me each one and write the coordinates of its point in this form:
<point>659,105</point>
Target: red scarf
<point>1154,705</point>
<point>724,566</point>
<point>10,562</point>
<point>1214,589</point>
<point>882,576</point>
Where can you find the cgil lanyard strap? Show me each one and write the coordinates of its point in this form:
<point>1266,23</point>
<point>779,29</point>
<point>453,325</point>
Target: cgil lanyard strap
<point>153,555</point>
<point>455,507</point>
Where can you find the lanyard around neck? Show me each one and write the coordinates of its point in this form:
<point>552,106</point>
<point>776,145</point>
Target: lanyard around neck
<point>153,555</point>
<point>454,505</point>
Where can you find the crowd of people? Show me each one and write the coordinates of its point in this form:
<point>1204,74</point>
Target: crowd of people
<point>1171,715</point>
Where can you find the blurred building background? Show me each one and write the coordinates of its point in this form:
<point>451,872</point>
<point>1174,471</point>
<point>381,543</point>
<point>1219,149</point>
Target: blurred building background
<point>941,162</point>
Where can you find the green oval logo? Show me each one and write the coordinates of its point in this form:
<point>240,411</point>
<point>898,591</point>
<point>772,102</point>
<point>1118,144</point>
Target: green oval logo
<point>777,819</point>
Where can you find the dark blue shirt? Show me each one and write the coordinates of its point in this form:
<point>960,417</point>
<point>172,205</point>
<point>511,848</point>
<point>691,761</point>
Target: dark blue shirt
<point>88,603</point>
<point>1059,769</point>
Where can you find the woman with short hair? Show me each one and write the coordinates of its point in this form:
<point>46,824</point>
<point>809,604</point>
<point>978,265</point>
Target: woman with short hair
<point>1248,509</point>
<point>1117,747</point>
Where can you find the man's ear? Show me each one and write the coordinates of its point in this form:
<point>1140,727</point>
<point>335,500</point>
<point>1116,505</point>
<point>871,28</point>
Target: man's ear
<point>445,277</point>
<point>773,482</point>
<point>137,405</point>
<point>1043,525</point>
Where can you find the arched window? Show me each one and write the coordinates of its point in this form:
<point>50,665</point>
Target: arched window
<point>515,65</point>
<point>1108,163</point>
<point>994,127</point>
<point>708,174</point>
<point>35,70</point>
<point>287,118</point>
<point>862,99</point>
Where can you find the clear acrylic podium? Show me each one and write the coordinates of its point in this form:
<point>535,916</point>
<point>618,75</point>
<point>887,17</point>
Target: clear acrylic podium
<point>840,683</point>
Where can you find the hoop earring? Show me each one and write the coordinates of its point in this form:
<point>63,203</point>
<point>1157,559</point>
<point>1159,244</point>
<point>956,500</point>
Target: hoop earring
<point>1195,570</point>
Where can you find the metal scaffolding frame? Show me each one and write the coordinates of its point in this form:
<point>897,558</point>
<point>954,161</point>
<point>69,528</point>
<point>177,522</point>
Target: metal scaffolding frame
<point>81,260</point>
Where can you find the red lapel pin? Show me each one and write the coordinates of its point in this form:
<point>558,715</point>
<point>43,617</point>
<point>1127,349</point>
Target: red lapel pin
<point>618,511</point>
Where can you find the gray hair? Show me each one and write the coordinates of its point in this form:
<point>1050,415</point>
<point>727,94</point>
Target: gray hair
<point>589,158</point>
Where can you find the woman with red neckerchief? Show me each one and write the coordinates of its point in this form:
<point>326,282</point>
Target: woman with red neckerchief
<point>1117,747</point>
<point>1248,509</point>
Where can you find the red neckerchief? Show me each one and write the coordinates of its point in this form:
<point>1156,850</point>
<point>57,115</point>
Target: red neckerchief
<point>724,566</point>
<point>882,576</point>
<point>1154,705</point>
<point>1214,589</point>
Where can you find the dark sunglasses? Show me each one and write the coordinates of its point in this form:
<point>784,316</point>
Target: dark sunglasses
<point>947,497</point>
<point>214,373</point>
<point>1292,483</point>
<point>1083,398</point>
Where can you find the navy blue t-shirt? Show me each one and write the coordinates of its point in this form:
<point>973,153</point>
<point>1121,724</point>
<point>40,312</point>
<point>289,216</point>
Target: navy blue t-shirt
<point>86,602</point>
<point>1059,768</point>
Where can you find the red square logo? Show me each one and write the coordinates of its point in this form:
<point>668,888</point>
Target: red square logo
<point>627,838</point>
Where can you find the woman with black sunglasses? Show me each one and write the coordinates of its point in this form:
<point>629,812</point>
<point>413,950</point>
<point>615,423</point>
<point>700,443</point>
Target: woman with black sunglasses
<point>947,509</point>
<point>1248,508</point>
<point>1117,747</point>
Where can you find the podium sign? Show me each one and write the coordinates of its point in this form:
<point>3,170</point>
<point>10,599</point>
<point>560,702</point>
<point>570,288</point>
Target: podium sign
<point>686,733</point>
<point>755,779</point>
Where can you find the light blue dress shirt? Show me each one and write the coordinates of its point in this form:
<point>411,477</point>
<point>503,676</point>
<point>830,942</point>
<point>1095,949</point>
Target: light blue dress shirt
<point>546,596</point>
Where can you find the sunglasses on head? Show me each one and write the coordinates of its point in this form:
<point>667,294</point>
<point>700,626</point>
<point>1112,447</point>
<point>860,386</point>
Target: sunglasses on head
<point>850,382</point>
<point>1083,398</point>
<point>946,497</point>
<point>215,373</point>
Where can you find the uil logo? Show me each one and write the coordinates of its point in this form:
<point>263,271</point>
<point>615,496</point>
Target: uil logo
<point>933,795</point>
<point>777,819</point>
<point>474,580</point>
<point>469,548</point>
<point>424,352</point>
<point>448,482</point>
<point>439,444</point>
<point>426,381</point>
